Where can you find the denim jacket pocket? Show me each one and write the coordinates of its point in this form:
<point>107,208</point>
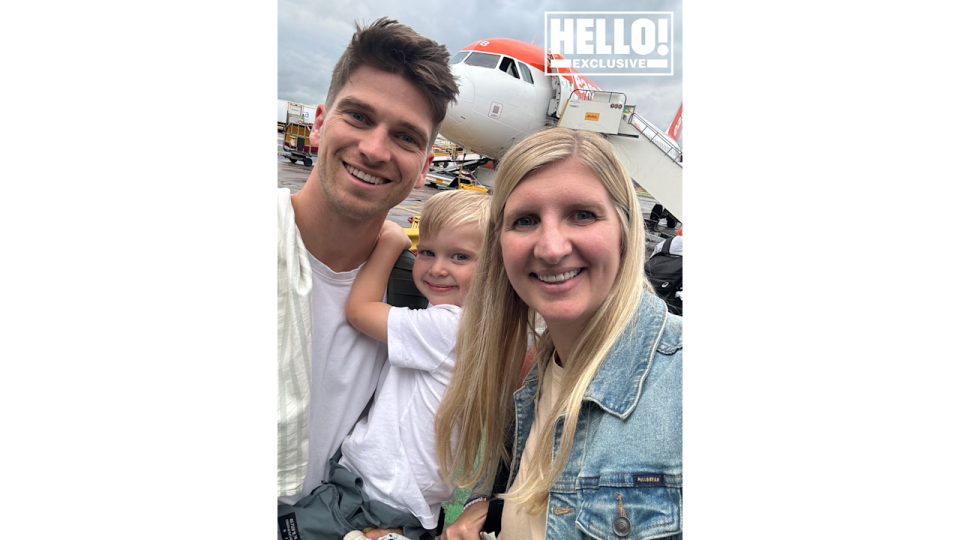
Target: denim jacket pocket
<point>619,512</point>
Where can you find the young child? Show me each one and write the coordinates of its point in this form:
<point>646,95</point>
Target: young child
<point>393,449</point>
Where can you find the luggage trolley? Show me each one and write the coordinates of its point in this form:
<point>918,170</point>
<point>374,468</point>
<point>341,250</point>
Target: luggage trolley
<point>296,143</point>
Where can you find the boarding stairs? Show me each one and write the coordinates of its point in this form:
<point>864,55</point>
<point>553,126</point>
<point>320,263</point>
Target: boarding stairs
<point>653,160</point>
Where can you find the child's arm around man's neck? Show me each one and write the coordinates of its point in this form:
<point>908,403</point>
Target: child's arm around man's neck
<point>366,310</point>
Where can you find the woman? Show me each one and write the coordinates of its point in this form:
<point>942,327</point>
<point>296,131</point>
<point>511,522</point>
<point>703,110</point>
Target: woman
<point>565,241</point>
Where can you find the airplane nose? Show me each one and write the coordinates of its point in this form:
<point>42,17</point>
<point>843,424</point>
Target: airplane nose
<point>458,112</point>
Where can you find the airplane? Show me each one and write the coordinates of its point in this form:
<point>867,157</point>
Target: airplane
<point>506,93</point>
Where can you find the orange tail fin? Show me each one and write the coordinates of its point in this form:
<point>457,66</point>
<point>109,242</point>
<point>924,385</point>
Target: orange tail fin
<point>677,125</point>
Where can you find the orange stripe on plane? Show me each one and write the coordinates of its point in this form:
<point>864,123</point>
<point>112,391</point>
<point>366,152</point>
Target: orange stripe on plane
<point>529,54</point>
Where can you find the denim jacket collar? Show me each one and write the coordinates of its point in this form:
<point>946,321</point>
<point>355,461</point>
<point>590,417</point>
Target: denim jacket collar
<point>611,389</point>
<point>617,385</point>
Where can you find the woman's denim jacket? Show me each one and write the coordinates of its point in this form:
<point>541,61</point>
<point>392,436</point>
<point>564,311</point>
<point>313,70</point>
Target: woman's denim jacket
<point>624,476</point>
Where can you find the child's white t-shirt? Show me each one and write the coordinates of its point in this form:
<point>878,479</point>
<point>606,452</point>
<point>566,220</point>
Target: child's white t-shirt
<point>393,448</point>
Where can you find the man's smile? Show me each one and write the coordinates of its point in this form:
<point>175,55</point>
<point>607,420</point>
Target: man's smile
<point>366,177</point>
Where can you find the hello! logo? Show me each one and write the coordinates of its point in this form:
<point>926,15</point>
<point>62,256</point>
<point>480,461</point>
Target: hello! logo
<point>611,42</point>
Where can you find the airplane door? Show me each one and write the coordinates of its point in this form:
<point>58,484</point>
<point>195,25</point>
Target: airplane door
<point>524,93</point>
<point>562,88</point>
<point>566,89</point>
<point>518,117</point>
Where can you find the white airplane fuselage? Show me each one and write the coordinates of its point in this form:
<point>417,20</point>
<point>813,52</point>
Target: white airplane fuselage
<point>505,94</point>
<point>474,121</point>
<point>508,90</point>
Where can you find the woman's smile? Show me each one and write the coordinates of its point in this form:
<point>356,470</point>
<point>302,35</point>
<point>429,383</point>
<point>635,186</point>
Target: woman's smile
<point>561,243</point>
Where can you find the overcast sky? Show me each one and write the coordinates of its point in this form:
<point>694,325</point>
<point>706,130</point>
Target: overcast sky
<point>313,33</point>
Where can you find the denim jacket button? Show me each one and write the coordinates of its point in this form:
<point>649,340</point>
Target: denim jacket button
<point>621,526</point>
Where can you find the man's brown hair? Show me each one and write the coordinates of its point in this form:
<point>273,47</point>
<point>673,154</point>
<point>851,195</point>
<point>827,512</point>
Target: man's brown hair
<point>392,47</point>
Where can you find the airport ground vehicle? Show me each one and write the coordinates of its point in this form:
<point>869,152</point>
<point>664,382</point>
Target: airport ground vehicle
<point>296,143</point>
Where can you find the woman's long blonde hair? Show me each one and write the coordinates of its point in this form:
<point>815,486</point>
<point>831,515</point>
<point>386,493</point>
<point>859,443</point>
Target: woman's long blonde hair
<point>495,324</point>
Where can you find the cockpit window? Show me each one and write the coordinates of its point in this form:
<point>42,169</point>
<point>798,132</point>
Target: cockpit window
<point>525,71</point>
<point>459,57</point>
<point>482,59</point>
<point>509,67</point>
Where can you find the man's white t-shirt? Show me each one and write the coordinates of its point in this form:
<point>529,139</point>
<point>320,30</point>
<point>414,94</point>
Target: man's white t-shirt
<point>393,448</point>
<point>346,368</point>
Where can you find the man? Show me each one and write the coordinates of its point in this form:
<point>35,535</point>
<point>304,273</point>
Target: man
<point>388,95</point>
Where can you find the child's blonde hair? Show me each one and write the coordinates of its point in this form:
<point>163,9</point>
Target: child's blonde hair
<point>453,209</point>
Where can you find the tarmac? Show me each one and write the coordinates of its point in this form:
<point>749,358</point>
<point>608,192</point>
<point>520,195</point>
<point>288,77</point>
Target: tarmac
<point>294,176</point>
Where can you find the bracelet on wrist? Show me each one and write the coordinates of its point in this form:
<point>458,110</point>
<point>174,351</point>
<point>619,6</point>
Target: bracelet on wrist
<point>474,500</point>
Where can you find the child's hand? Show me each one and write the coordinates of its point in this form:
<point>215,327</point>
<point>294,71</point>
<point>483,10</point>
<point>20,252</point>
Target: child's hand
<point>392,234</point>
